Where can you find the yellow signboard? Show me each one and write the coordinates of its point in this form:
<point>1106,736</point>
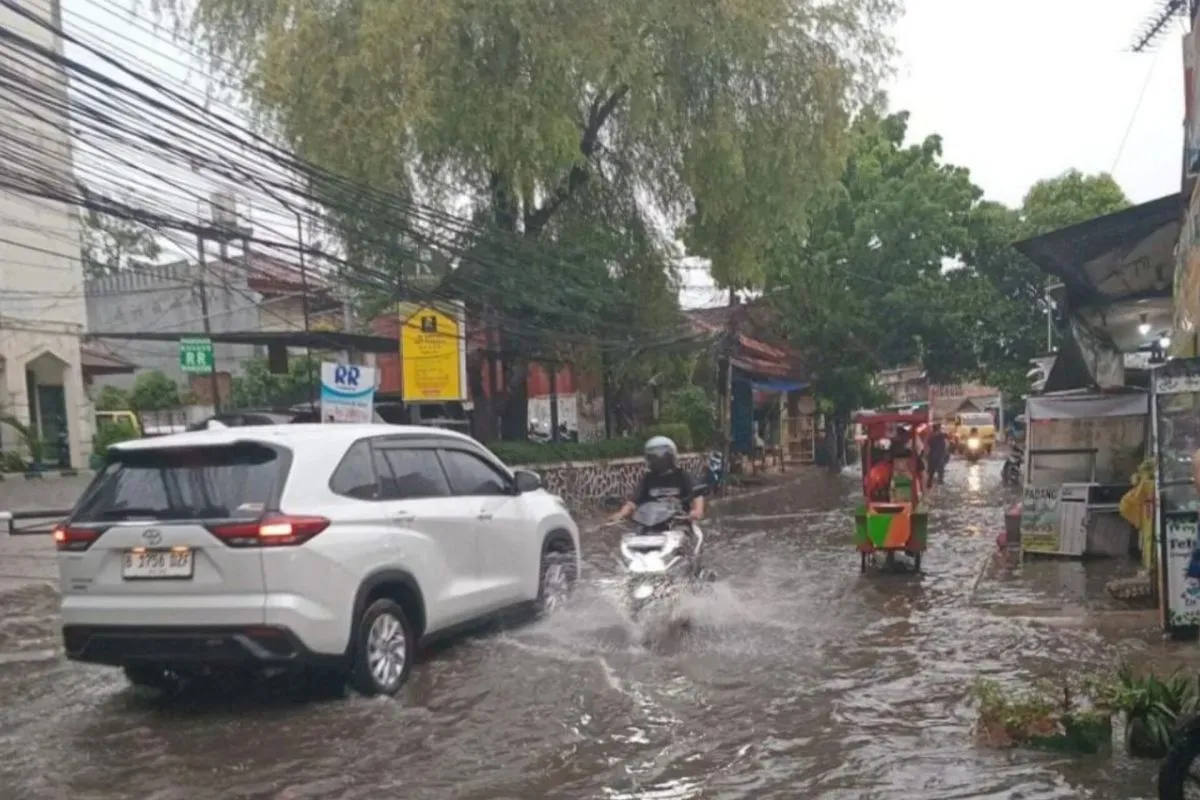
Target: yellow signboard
<point>431,352</point>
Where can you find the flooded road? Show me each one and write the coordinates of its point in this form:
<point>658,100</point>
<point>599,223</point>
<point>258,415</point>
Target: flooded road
<point>803,679</point>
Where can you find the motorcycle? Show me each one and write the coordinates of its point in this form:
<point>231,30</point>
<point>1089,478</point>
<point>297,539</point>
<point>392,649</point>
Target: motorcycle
<point>1010,473</point>
<point>973,449</point>
<point>661,558</point>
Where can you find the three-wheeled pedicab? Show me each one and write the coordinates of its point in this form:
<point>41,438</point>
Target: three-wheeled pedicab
<point>891,517</point>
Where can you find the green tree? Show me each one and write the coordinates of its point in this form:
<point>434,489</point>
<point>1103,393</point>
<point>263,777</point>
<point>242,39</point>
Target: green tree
<point>535,110</point>
<point>1015,312</point>
<point>1068,199</point>
<point>872,283</point>
<point>111,398</point>
<point>112,244</point>
<point>154,391</point>
<point>257,386</point>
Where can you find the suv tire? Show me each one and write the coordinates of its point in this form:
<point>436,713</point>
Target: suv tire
<point>557,581</point>
<point>384,649</point>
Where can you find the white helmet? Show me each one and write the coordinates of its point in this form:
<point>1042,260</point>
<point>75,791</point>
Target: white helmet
<point>660,453</point>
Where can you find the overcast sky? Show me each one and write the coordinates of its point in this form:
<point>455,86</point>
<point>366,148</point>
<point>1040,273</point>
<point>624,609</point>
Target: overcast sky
<point>1019,90</point>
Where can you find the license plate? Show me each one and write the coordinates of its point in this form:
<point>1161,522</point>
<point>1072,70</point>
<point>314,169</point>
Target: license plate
<point>176,563</point>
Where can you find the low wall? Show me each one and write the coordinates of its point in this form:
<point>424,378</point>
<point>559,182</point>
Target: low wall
<point>592,483</point>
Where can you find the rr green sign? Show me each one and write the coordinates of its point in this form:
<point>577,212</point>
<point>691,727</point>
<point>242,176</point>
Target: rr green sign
<point>196,355</point>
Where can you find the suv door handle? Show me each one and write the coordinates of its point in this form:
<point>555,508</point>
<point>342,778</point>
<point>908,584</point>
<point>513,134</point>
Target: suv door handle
<point>403,517</point>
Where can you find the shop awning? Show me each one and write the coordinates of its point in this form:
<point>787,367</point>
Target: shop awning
<point>782,386</point>
<point>1121,256</point>
<point>1087,406</point>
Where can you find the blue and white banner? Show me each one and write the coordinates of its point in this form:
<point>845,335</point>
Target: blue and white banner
<point>347,393</point>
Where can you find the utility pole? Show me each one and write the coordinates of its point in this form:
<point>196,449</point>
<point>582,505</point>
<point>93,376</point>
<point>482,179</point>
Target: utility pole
<point>202,268</point>
<point>725,377</point>
<point>553,375</point>
<point>312,389</point>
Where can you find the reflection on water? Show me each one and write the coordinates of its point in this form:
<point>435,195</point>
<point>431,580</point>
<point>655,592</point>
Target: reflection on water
<point>798,678</point>
<point>974,478</point>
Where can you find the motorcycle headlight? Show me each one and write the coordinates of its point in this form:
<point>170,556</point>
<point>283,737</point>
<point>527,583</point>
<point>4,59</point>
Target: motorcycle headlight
<point>973,443</point>
<point>643,592</point>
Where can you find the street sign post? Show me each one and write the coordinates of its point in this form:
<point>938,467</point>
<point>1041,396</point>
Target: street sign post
<point>347,392</point>
<point>196,355</point>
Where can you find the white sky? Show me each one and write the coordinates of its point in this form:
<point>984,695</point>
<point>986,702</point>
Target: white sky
<point>1019,90</point>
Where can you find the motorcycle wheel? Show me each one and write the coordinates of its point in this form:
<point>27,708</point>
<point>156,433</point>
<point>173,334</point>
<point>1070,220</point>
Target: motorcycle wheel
<point>1177,771</point>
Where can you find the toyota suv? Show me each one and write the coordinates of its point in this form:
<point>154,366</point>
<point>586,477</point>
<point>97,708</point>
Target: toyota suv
<point>328,549</point>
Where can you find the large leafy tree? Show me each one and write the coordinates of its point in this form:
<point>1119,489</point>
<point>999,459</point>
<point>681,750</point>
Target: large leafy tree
<point>728,113</point>
<point>1070,198</point>
<point>1016,309</point>
<point>873,282</point>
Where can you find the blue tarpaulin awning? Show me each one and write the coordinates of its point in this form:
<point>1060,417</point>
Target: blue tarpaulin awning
<point>778,385</point>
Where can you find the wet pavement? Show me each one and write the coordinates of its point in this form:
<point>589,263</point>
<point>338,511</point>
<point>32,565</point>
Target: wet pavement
<point>801,679</point>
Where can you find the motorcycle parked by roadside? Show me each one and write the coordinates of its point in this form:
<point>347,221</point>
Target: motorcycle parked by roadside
<point>1010,473</point>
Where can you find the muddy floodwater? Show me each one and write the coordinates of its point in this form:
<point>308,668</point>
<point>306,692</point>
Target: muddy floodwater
<point>801,679</point>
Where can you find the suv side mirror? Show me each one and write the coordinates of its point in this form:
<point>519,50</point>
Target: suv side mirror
<point>526,481</point>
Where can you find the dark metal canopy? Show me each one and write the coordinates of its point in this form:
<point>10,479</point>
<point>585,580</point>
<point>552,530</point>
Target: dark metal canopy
<point>320,340</point>
<point>1118,256</point>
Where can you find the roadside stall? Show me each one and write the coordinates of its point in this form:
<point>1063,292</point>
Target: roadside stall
<point>1081,451</point>
<point>1176,410</point>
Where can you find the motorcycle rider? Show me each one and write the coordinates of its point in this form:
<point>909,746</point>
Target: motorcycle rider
<point>663,480</point>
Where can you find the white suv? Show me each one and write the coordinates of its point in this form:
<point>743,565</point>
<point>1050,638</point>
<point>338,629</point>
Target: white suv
<point>333,548</point>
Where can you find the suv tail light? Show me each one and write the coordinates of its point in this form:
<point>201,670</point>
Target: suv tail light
<point>75,539</point>
<point>273,530</point>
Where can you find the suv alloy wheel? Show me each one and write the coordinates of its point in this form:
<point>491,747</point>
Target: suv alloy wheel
<point>557,581</point>
<point>384,650</point>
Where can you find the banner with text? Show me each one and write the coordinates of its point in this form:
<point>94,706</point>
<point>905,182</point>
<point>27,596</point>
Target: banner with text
<point>1041,514</point>
<point>347,393</point>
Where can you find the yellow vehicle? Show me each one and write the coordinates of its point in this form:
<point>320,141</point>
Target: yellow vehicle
<point>985,430</point>
<point>116,418</point>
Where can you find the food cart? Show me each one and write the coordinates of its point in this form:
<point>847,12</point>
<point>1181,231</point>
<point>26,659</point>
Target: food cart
<point>1081,450</point>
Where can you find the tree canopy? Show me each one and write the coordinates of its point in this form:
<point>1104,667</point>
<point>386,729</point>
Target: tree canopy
<point>905,262</point>
<point>112,244</point>
<point>871,283</point>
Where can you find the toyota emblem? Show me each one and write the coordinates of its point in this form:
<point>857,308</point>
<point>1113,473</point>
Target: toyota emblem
<point>152,536</point>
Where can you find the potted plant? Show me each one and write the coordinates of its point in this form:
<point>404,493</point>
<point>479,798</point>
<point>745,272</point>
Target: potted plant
<point>1151,707</point>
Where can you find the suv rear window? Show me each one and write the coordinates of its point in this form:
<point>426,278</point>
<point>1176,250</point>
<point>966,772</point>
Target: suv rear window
<point>220,482</point>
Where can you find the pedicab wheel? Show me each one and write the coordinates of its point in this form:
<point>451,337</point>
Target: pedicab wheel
<point>862,565</point>
<point>1180,768</point>
<point>917,561</point>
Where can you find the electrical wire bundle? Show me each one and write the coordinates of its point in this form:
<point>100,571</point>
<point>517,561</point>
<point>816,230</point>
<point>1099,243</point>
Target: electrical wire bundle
<point>142,149</point>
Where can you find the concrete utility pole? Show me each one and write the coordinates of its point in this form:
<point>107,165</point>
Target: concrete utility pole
<point>725,382</point>
<point>312,388</point>
<point>202,289</point>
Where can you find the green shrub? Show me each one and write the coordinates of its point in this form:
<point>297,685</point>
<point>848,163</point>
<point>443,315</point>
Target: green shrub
<point>111,433</point>
<point>692,406</point>
<point>526,452</point>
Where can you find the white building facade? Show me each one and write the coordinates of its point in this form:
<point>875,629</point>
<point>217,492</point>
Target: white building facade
<point>42,310</point>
